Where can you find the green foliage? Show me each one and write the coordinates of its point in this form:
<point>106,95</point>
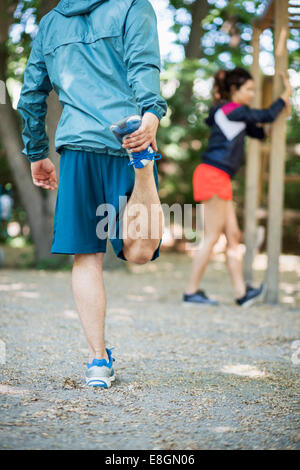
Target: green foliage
<point>226,42</point>
<point>293,127</point>
<point>292,189</point>
<point>61,262</point>
<point>183,134</point>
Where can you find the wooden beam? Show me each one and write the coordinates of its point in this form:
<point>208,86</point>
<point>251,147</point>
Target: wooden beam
<point>277,156</point>
<point>267,99</point>
<point>266,19</point>
<point>252,168</point>
<point>290,178</point>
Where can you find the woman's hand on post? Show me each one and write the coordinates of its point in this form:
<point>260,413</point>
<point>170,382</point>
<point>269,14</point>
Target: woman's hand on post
<point>144,136</point>
<point>287,92</point>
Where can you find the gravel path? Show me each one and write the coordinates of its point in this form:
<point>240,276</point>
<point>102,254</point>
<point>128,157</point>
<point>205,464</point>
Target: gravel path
<point>187,378</point>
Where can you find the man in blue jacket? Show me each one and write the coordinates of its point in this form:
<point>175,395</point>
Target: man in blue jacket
<point>102,59</point>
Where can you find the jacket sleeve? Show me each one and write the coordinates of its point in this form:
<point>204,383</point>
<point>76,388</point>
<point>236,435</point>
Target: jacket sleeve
<point>32,103</point>
<point>142,57</point>
<point>254,116</point>
<point>254,131</point>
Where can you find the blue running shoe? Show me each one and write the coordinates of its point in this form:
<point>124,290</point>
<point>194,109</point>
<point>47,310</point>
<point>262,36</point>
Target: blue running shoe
<point>99,372</point>
<point>122,129</point>
<point>252,295</point>
<point>199,297</point>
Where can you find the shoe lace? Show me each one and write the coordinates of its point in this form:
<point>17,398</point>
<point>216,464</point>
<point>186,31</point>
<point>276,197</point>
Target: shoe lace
<point>143,155</point>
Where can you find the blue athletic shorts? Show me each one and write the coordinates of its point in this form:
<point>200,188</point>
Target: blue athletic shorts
<point>86,181</point>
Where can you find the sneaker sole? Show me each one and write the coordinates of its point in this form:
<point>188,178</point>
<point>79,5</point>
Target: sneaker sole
<point>103,382</point>
<point>195,304</point>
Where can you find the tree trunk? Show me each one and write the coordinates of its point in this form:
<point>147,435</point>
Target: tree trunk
<point>277,155</point>
<point>38,206</point>
<point>32,199</point>
<point>45,7</point>
<point>53,114</point>
<point>52,118</point>
<point>199,11</point>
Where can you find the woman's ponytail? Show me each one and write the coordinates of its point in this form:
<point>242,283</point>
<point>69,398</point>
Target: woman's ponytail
<point>228,81</point>
<point>220,90</point>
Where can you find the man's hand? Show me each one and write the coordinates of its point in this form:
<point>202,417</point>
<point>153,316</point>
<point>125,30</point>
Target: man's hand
<point>144,136</point>
<point>44,174</point>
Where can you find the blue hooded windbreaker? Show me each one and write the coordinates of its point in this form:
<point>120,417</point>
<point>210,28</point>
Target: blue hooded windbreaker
<point>102,59</point>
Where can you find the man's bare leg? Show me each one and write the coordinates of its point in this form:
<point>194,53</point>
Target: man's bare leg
<point>87,276</point>
<point>151,219</point>
<point>89,294</point>
<point>141,249</point>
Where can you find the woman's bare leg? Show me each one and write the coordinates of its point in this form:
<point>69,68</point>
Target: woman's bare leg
<point>214,223</point>
<point>234,252</point>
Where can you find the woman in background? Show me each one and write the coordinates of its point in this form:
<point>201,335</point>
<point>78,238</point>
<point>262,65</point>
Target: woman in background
<point>230,119</point>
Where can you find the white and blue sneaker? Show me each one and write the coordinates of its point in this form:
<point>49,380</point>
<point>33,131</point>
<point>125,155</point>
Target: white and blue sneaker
<point>122,129</point>
<point>198,297</point>
<point>99,372</point>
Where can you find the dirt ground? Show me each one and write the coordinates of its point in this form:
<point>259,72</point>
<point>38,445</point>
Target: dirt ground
<point>187,377</point>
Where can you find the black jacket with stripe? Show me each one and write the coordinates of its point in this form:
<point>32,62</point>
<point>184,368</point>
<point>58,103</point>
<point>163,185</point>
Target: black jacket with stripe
<point>230,122</point>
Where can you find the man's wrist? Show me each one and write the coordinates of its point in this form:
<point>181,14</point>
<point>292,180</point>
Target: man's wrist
<point>34,159</point>
<point>153,111</point>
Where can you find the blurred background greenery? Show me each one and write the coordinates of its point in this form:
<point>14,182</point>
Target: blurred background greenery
<point>197,38</point>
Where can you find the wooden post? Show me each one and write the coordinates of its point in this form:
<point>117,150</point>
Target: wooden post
<point>267,98</point>
<point>252,168</point>
<point>277,156</point>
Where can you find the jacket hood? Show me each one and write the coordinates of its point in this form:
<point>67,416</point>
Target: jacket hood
<point>77,7</point>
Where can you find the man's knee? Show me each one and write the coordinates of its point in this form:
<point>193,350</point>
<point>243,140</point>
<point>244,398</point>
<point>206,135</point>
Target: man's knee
<point>140,254</point>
